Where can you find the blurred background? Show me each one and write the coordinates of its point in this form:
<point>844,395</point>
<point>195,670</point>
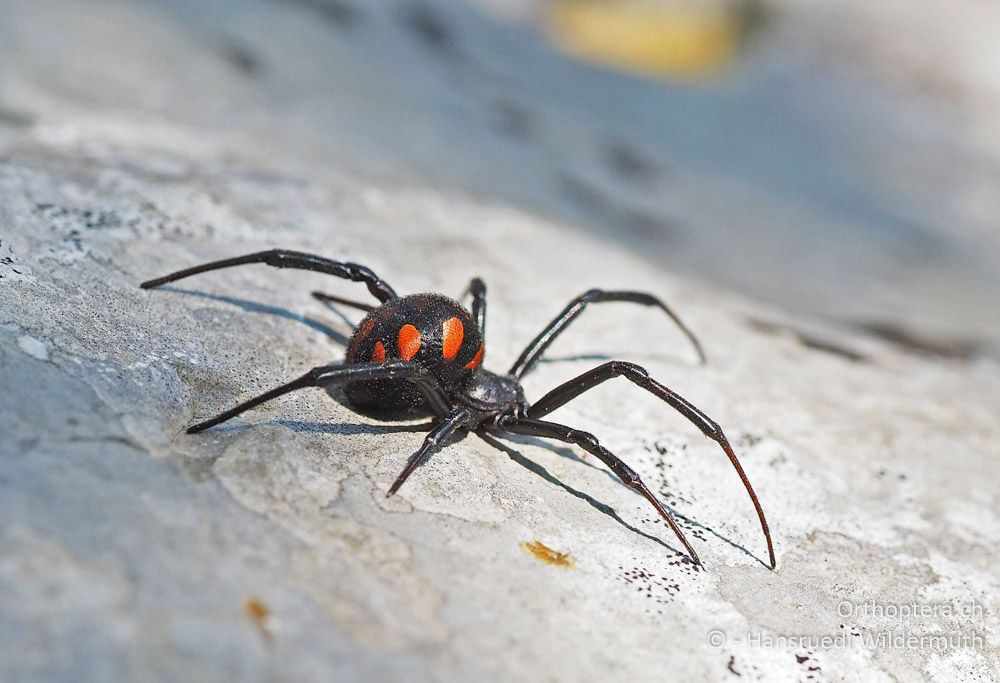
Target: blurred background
<point>839,159</point>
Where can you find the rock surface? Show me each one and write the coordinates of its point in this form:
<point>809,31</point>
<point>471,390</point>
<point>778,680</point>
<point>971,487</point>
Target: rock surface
<point>265,549</point>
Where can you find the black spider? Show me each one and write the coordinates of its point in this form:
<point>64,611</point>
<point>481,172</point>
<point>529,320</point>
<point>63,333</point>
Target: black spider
<point>422,354</point>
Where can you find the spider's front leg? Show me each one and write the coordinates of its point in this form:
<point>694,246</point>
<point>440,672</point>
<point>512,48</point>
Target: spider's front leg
<point>286,258</point>
<point>575,307</point>
<point>589,443</point>
<point>441,431</point>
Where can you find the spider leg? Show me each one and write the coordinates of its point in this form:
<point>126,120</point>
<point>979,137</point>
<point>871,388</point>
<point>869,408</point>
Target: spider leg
<point>332,299</point>
<point>537,347</point>
<point>284,258</point>
<point>328,374</point>
<point>637,375</point>
<point>441,431</point>
<point>478,290</point>
<point>589,443</point>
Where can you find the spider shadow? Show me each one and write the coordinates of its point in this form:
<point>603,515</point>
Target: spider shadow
<point>563,451</point>
<point>547,360</point>
<point>537,469</point>
<point>255,307</point>
<point>350,428</point>
<point>338,428</point>
<point>731,543</point>
<point>604,358</point>
<point>336,310</point>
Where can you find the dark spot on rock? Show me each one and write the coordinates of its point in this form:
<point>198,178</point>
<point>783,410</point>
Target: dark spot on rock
<point>661,590</point>
<point>513,120</point>
<point>74,239</point>
<point>830,347</point>
<point>24,446</point>
<point>16,119</point>
<point>731,666</point>
<point>641,224</point>
<point>960,349</point>
<point>629,164</point>
<point>243,58</point>
<point>428,27</point>
<point>648,226</point>
<point>337,12</point>
<point>581,193</point>
<point>809,340</point>
<point>113,438</point>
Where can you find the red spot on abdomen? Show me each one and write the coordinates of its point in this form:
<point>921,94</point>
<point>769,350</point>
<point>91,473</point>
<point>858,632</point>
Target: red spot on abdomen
<point>409,341</point>
<point>453,333</point>
<point>477,359</point>
<point>378,353</point>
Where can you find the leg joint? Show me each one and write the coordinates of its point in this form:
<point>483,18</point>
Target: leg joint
<point>360,273</point>
<point>585,440</point>
<point>279,258</point>
<point>630,477</point>
<point>714,430</point>
<point>627,369</point>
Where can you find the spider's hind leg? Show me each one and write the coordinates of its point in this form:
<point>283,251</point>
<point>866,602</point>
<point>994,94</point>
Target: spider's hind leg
<point>589,443</point>
<point>636,374</point>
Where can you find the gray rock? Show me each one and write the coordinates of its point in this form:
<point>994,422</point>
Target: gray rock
<point>265,549</point>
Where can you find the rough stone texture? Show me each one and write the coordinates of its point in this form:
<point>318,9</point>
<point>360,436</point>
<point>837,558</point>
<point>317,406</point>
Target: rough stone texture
<point>266,550</point>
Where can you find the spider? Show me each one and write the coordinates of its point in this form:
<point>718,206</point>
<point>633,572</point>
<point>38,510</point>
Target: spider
<point>422,354</point>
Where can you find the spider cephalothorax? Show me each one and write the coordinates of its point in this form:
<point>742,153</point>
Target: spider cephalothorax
<point>423,354</point>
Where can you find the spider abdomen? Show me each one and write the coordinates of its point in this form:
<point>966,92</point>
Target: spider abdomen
<point>430,329</point>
